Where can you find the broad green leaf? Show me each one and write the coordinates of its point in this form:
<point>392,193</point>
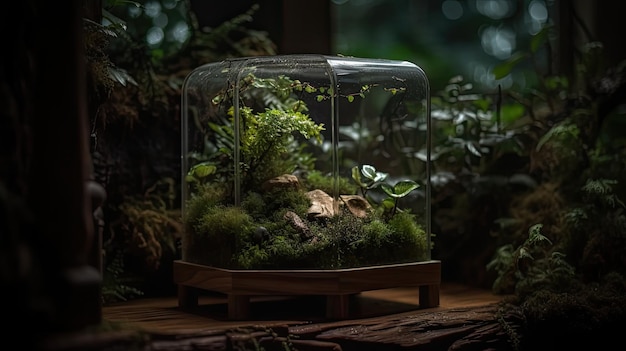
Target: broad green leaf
<point>404,187</point>
<point>388,189</point>
<point>511,112</point>
<point>202,170</point>
<point>380,176</point>
<point>482,104</point>
<point>369,172</point>
<point>356,175</point>
<point>506,67</point>
<point>539,39</point>
<point>401,189</point>
<point>554,83</point>
<point>388,203</point>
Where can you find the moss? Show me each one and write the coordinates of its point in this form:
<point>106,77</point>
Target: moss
<point>206,197</point>
<point>376,237</point>
<point>219,233</point>
<point>252,257</point>
<point>316,180</point>
<point>257,234</point>
<point>568,318</point>
<point>281,251</point>
<point>286,199</point>
<point>409,240</point>
<point>254,204</point>
<point>347,233</point>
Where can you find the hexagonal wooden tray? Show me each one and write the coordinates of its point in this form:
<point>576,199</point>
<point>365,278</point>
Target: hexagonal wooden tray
<point>336,284</point>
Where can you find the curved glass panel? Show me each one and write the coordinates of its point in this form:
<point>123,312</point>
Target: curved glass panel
<point>306,162</point>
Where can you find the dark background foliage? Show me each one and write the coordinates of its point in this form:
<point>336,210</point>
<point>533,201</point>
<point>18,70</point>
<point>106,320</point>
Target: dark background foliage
<point>478,178</point>
<point>551,152</point>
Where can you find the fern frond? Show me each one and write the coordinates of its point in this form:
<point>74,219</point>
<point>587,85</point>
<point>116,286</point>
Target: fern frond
<point>524,253</point>
<point>599,186</point>
<point>535,237</point>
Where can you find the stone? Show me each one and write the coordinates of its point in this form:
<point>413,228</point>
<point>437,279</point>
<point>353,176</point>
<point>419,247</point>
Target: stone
<point>322,204</point>
<point>357,205</point>
<point>298,224</point>
<point>284,181</point>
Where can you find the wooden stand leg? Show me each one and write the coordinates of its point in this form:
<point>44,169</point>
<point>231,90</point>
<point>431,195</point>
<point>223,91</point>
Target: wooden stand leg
<point>238,307</point>
<point>429,296</point>
<point>337,306</point>
<point>187,296</point>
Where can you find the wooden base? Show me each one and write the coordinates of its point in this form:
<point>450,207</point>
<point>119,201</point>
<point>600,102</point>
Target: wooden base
<point>337,284</point>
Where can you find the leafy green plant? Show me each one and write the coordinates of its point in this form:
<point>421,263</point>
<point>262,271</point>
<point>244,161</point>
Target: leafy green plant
<point>268,136</point>
<point>478,166</point>
<point>268,144</point>
<point>396,192</point>
<point>572,285</point>
<point>371,178</point>
<point>530,266</point>
<point>133,135</point>
<point>527,155</point>
<point>117,284</point>
<point>467,134</point>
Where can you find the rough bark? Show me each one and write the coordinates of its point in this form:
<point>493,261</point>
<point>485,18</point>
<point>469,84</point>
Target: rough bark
<point>464,329</point>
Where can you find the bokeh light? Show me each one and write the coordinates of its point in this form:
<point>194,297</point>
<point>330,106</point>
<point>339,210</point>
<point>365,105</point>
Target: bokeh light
<point>452,9</point>
<point>445,37</point>
<point>495,9</point>
<point>537,16</point>
<point>164,24</point>
<point>155,36</point>
<point>498,42</point>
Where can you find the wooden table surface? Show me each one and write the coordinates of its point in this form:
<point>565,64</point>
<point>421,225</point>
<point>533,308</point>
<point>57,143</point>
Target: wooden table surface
<point>162,315</point>
<point>466,319</point>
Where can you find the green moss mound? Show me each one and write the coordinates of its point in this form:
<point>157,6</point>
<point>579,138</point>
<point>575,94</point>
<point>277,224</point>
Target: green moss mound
<point>259,235</point>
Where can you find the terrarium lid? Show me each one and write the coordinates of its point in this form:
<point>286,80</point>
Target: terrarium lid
<point>336,61</point>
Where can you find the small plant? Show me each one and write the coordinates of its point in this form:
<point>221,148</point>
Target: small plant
<point>396,192</point>
<point>117,285</point>
<point>370,180</point>
<point>530,266</point>
<point>374,179</point>
<point>268,143</point>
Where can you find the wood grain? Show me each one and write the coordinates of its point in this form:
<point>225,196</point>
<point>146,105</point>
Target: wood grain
<point>337,284</point>
<point>380,320</point>
<point>306,282</point>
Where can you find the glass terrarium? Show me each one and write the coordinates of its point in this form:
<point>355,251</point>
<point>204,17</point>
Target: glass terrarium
<point>305,174</point>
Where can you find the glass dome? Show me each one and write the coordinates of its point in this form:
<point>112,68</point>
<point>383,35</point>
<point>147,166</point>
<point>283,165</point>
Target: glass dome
<point>305,162</point>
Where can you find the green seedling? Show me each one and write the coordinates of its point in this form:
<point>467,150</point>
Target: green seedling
<point>370,180</point>
<point>398,191</point>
